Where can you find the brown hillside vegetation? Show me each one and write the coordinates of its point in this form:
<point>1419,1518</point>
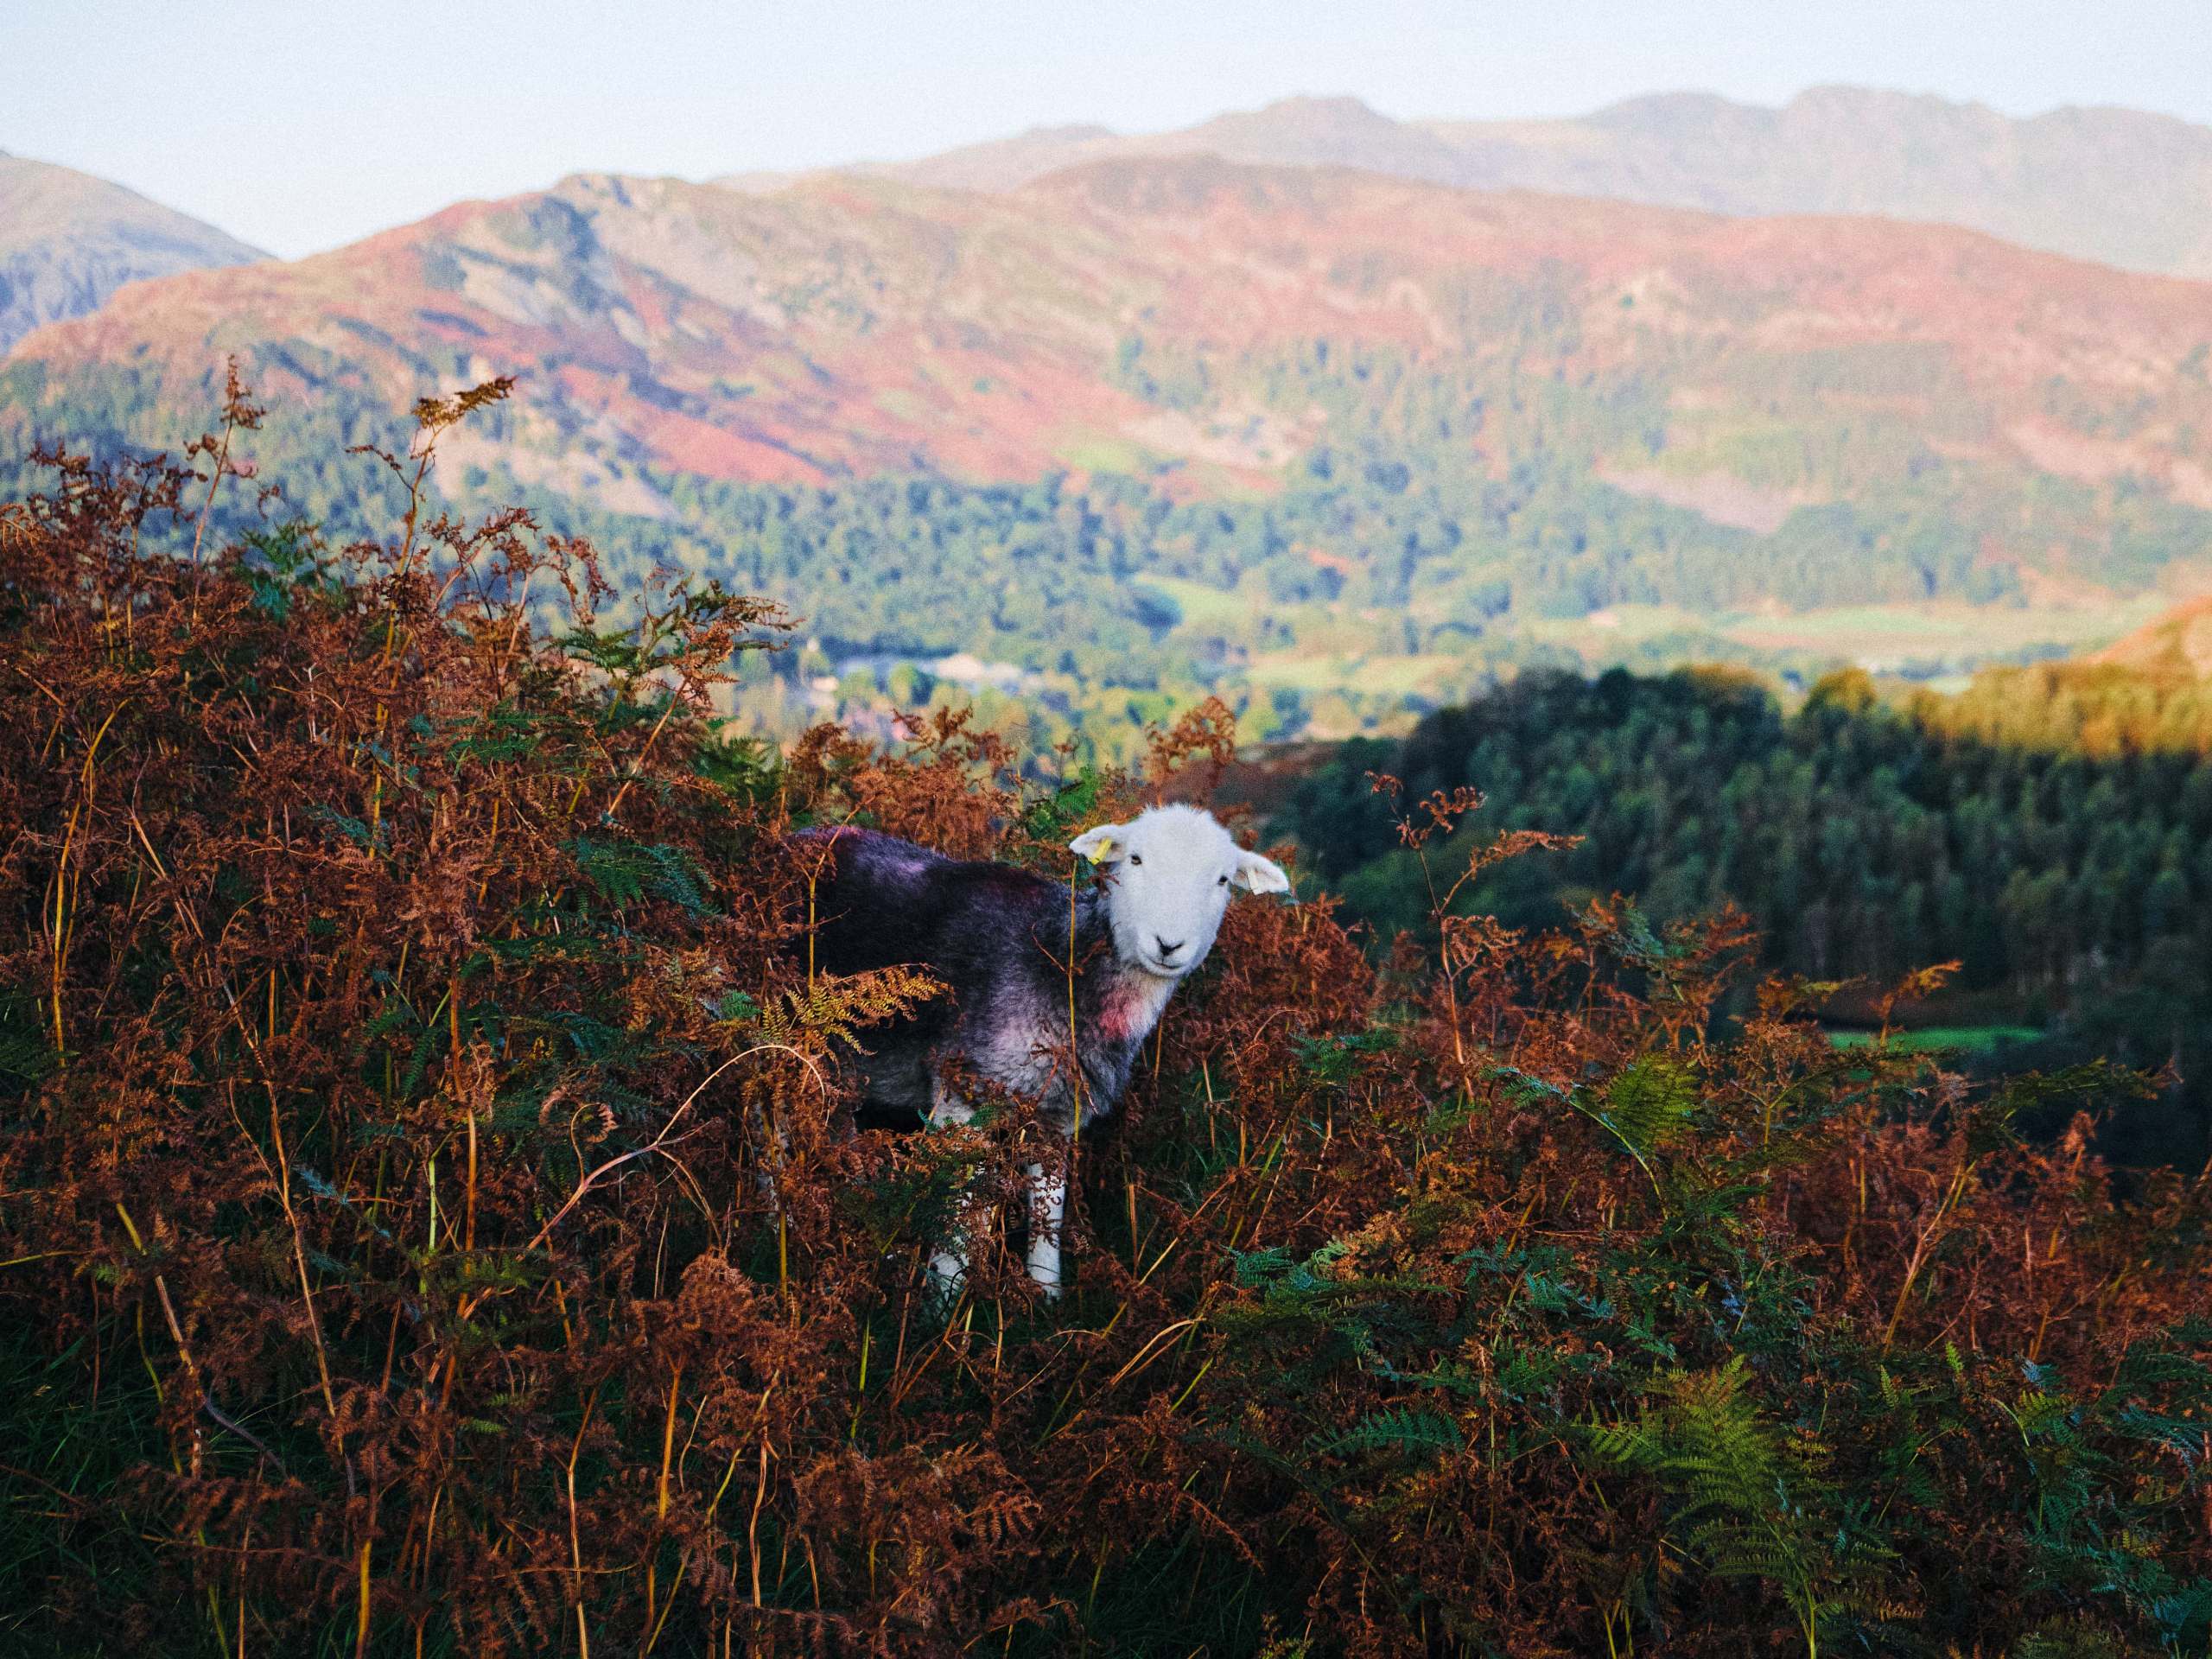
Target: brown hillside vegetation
<point>430,1220</point>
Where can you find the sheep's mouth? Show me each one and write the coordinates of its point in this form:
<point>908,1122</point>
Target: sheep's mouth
<point>1159,969</point>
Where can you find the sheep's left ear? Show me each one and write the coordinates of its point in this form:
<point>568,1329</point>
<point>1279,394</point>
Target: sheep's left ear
<point>1103,845</point>
<point>1257,874</point>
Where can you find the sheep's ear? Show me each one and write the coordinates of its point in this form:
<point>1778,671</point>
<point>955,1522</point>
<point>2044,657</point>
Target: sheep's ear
<point>1257,874</point>
<point>1103,845</point>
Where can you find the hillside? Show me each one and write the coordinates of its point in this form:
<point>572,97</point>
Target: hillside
<point>437,1221</point>
<point>2046,831</point>
<point>2118,185</point>
<point>1298,434</point>
<point>2180,641</point>
<point>845,328</point>
<point>68,241</point>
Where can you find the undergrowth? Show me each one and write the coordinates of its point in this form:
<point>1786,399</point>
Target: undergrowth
<point>431,1220</point>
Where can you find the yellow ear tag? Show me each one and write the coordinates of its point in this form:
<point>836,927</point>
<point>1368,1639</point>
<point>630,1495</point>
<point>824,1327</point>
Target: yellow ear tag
<point>1105,849</point>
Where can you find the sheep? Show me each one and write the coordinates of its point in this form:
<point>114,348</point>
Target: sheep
<point>1000,937</point>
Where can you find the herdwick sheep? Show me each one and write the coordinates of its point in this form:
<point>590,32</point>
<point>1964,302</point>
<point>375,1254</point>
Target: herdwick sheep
<point>999,937</point>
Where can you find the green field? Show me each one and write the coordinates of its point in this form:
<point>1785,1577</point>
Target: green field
<point>1970,1039</point>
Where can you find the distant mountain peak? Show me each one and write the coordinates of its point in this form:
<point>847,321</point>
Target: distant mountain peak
<point>1335,117</point>
<point>2115,185</point>
<point>1068,131</point>
<point>1643,105</point>
<point>1333,106</point>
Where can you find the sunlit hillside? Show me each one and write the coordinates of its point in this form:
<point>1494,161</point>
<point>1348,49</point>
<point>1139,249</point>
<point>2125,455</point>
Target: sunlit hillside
<point>1335,445</point>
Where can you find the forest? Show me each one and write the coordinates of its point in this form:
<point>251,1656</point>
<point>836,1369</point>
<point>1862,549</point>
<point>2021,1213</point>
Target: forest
<point>1436,526</point>
<point>432,1219</point>
<point>2049,830</point>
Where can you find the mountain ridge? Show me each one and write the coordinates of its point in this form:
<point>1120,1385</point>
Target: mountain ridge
<point>865,244</point>
<point>1006,274</point>
<point>2122,187</point>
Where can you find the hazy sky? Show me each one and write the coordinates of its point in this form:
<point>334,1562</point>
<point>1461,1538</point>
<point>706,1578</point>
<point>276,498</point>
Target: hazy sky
<point>299,125</point>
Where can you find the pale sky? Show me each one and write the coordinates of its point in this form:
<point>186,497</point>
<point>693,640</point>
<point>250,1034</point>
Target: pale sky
<point>300,125</point>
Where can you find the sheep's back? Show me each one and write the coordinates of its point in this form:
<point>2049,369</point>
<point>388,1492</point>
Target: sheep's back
<point>883,902</point>
<point>997,936</point>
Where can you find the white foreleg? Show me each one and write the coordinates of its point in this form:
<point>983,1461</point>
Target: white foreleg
<point>948,1261</point>
<point>1048,1205</point>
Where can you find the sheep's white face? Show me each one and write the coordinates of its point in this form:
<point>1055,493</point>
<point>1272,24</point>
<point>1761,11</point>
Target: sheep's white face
<point>1169,872</point>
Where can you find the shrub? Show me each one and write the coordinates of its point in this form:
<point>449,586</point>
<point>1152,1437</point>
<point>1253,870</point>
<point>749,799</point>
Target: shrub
<point>431,1220</point>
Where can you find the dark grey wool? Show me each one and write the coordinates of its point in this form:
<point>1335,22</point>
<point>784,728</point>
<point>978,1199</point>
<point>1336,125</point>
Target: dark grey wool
<point>1000,938</point>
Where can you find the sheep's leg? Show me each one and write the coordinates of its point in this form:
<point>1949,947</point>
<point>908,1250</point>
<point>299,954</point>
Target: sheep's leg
<point>1048,1195</point>
<point>948,1268</point>
<point>948,1261</point>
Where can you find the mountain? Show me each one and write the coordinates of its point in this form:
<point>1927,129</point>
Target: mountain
<point>850,327</point>
<point>1308,431</point>
<point>997,164</point>
<point>68,241</point>
<point>2117,185</point>
<point>1295,132</point>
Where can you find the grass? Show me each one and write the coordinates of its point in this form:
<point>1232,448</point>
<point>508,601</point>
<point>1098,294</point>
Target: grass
<point>1340,651</point>
<point>1964,1040</point>
<point>1203,605</point>
<point>1095,452</point>
<point>1949,630</point>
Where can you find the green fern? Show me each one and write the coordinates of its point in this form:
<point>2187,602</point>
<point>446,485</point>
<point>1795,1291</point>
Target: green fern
<point>26,1056</point>
<point>626,873</point>
<point>2086,1524</point>
<point>1054,816</point>
<point>746,767</point>
<point>1407,1429</point>
<point>1336,1059</point>
<point>1283,1276</point>
<point>1649,1103</point>
<point>505,734</point>
<point>1742,1493</point>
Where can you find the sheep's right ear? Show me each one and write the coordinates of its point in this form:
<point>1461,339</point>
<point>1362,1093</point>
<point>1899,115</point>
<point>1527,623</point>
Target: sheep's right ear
<point>1258,875</point>
<point>1103,845</point>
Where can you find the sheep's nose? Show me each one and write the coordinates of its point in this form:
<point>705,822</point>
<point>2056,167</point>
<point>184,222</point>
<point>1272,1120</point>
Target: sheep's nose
<point>1166,949</point>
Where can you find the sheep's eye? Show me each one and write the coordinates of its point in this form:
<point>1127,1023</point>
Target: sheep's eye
<point>1133,858</point>
<point>1222,882</point>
